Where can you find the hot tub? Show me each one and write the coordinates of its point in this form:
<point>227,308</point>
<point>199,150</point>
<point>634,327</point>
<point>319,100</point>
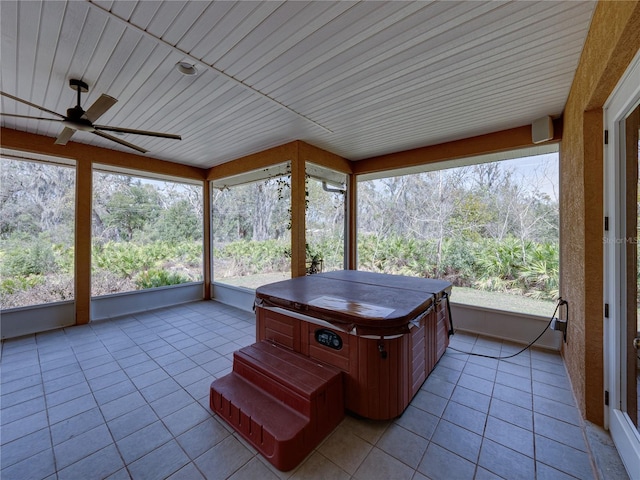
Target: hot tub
<point>385,332</point>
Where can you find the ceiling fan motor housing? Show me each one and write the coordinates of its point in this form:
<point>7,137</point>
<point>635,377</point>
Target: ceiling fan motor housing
<point>77,121</point>
<point>75,113</point>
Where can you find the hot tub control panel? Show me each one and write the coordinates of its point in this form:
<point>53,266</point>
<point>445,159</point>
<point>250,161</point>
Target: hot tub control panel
<point>328,338</point>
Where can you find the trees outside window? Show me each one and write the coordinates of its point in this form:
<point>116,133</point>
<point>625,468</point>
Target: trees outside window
<point>37,202</point>
<point>325,219</point>
<point>491,227</point>
<point>251,224</point>
<point>146,233</point>
<point>251,228</point>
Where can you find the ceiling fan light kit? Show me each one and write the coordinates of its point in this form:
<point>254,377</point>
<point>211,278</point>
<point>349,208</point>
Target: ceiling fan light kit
<point>77,119</point>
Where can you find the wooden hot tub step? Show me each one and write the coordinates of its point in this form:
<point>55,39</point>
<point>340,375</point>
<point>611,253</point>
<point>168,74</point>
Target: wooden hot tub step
<point>294,379</point>
<point>274,429</point>
<point>280,401</point>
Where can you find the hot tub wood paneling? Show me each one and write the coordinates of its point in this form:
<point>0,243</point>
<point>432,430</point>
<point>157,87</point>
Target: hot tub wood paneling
<point>382,372</point>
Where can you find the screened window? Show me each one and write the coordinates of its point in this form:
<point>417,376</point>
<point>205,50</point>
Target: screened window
<point>147,233</point>
<point>325,219</point>
<point>36,233</point>
<point>251,229</point>
<point>491,229</point>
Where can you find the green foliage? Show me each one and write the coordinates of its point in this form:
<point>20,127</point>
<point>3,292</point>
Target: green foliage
<point>529,269</point>
<point>127,259</point>
<point>129,210</point>
<point>10,285</point>
<point>329,250</point>
<point>249,257</point>
<point>541,274</point>
<point>475,226</point>
<point>123,259</point>
<point>487,264</point>
<point>179,223</point>
<point>500,259</point>
<point>471,214</point>
<point>502,266</point>
<point>64,258</point>
<point>33,264</point>
<point>25,258</point>
<point>396,255</point>
<point>458,261</point>
<point>154,278</point>
<point>139,225</point>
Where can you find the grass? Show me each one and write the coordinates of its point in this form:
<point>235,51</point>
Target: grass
<point>256,280</point>
<point>502,301</point>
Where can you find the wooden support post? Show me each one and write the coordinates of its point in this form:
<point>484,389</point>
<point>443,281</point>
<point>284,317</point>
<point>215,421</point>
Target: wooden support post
<point>82,280</point>
<point>298,216</point>
<point>207,244</point>
<point>352,222</point>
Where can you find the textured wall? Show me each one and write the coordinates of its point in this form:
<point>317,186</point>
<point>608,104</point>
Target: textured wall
<point>613,40</point>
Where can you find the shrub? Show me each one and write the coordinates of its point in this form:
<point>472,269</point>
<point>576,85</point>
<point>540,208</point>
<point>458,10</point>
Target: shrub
<point>127,259</point>
<point>508,266</point>
<point>159,278</point>
<point>12,285</point>
<point>250,257</point>
<point>35,290</point>
<point>35,258</point>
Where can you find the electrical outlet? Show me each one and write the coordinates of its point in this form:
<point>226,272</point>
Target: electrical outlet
<point>559,325</point>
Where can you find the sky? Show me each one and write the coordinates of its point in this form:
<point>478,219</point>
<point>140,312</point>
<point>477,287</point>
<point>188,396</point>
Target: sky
<point>540,170</point>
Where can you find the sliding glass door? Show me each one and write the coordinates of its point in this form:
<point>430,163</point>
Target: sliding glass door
<point>622,120</point>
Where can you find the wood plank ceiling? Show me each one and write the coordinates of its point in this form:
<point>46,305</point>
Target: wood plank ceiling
<point>358,79</point>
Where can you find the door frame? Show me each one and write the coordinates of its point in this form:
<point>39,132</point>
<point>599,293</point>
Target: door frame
<point>623,99</point>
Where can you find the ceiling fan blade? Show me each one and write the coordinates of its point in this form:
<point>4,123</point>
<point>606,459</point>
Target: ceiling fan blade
<point>65,136</point>
<point>100,106</point>
<point>30,117</point>
<point>31,104</point>
<point>121,142</point>
<point>137,132</point>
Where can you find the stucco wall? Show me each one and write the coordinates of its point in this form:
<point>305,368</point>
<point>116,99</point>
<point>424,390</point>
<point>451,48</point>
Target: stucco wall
<point>613,40</point>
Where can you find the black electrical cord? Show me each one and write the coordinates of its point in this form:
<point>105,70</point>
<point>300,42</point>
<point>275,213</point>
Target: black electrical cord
<point>560,302</point>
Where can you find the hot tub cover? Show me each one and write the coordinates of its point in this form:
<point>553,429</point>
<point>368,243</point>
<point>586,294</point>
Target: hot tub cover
<point>363,302</point>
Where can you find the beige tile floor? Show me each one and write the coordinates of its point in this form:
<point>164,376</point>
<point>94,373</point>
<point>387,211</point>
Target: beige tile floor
<point>128,398</point>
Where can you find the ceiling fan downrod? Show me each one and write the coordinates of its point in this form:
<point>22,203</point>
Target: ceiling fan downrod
<point>75,115</point>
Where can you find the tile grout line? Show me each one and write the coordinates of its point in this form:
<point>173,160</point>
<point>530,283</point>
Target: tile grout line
<point>133,331</point>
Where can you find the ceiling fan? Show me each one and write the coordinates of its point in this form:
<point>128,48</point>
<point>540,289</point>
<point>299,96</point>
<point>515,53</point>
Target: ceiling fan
<point>79,119</point>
